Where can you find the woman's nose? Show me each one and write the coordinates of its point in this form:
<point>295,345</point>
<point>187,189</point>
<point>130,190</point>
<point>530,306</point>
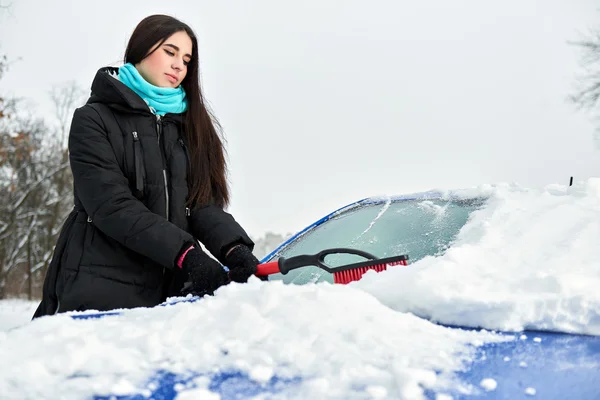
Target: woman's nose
<point>177,65</point>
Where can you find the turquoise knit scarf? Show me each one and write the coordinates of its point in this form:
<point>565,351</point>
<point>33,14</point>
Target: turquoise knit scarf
<point>160,100</point>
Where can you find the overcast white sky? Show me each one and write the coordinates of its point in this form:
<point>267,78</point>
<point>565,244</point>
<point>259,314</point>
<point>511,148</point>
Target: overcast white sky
<point>326,102</point>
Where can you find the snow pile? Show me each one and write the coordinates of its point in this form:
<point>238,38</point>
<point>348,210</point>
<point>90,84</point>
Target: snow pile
<point>341,341</point>
<point>14,312</point>
<point>529,260</point>
<point>530,391</point>
<point>489,384</point>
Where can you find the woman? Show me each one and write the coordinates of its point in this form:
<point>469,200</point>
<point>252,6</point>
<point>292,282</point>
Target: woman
<point>149,178</point>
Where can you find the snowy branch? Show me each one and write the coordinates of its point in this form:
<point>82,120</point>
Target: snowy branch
<point>34,185</point>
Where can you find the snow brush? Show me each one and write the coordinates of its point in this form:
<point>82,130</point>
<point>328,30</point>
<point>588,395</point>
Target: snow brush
<point>343,274</point>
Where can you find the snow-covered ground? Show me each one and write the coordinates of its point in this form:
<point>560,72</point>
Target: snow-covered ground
<point>14,312</point>
<point>527,260</point>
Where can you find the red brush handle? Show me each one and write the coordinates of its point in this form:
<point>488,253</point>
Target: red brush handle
<point>267,268</point>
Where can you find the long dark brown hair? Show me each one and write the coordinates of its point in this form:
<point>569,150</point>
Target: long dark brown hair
<point>208,181</point>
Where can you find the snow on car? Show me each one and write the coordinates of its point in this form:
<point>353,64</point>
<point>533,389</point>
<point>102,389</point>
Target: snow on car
<point>499,300</point>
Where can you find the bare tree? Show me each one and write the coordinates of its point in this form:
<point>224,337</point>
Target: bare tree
<point>269,242</point>
<point>21,180</point>
<point>65,98</point>
<point>35,190</point>
<point>35,185</point>
<point>587,93</point>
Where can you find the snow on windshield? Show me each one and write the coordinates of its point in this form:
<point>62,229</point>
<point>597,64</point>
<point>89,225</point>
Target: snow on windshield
<point>528,260</point>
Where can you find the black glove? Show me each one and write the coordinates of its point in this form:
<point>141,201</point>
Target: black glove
<point>206,274</point>
<point>241,263</point>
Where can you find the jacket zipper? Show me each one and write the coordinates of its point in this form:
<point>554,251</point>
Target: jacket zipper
<point>138,162</point>
<point>159,133</point>
<point>187,157</point>
<point>189,168</point>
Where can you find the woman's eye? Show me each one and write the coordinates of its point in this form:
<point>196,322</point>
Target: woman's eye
<point>185,62</point>
<point>169,52</point>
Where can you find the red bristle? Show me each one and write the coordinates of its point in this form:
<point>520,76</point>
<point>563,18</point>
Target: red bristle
<point>344,277</point>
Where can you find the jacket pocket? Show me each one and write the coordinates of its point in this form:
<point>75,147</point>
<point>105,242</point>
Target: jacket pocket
<point>138,165</point>
<point>92,289</point>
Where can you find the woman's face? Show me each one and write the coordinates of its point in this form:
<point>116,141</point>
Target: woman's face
<point>167,65</point>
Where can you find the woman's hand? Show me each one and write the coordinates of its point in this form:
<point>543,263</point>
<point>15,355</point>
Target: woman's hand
<point>241,263</point>
<point>206,274</point>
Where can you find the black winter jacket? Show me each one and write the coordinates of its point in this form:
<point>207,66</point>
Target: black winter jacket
<point>118,247</point>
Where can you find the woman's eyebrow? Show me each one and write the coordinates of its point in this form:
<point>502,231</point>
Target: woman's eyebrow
<point>176,48</point>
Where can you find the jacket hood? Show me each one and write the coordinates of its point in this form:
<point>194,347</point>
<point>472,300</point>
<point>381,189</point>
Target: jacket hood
<point>108,89</point>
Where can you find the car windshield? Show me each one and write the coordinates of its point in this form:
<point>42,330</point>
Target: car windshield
<point>417,228</point>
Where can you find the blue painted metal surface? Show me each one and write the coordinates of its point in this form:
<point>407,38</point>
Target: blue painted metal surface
<point>560,366</point>
<point>229,385</point>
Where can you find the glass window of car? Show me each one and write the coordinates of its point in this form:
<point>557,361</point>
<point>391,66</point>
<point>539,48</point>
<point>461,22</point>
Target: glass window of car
<point>417,228</point>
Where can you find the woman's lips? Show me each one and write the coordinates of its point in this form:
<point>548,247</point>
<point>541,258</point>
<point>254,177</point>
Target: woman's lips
<point>171,78</point>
